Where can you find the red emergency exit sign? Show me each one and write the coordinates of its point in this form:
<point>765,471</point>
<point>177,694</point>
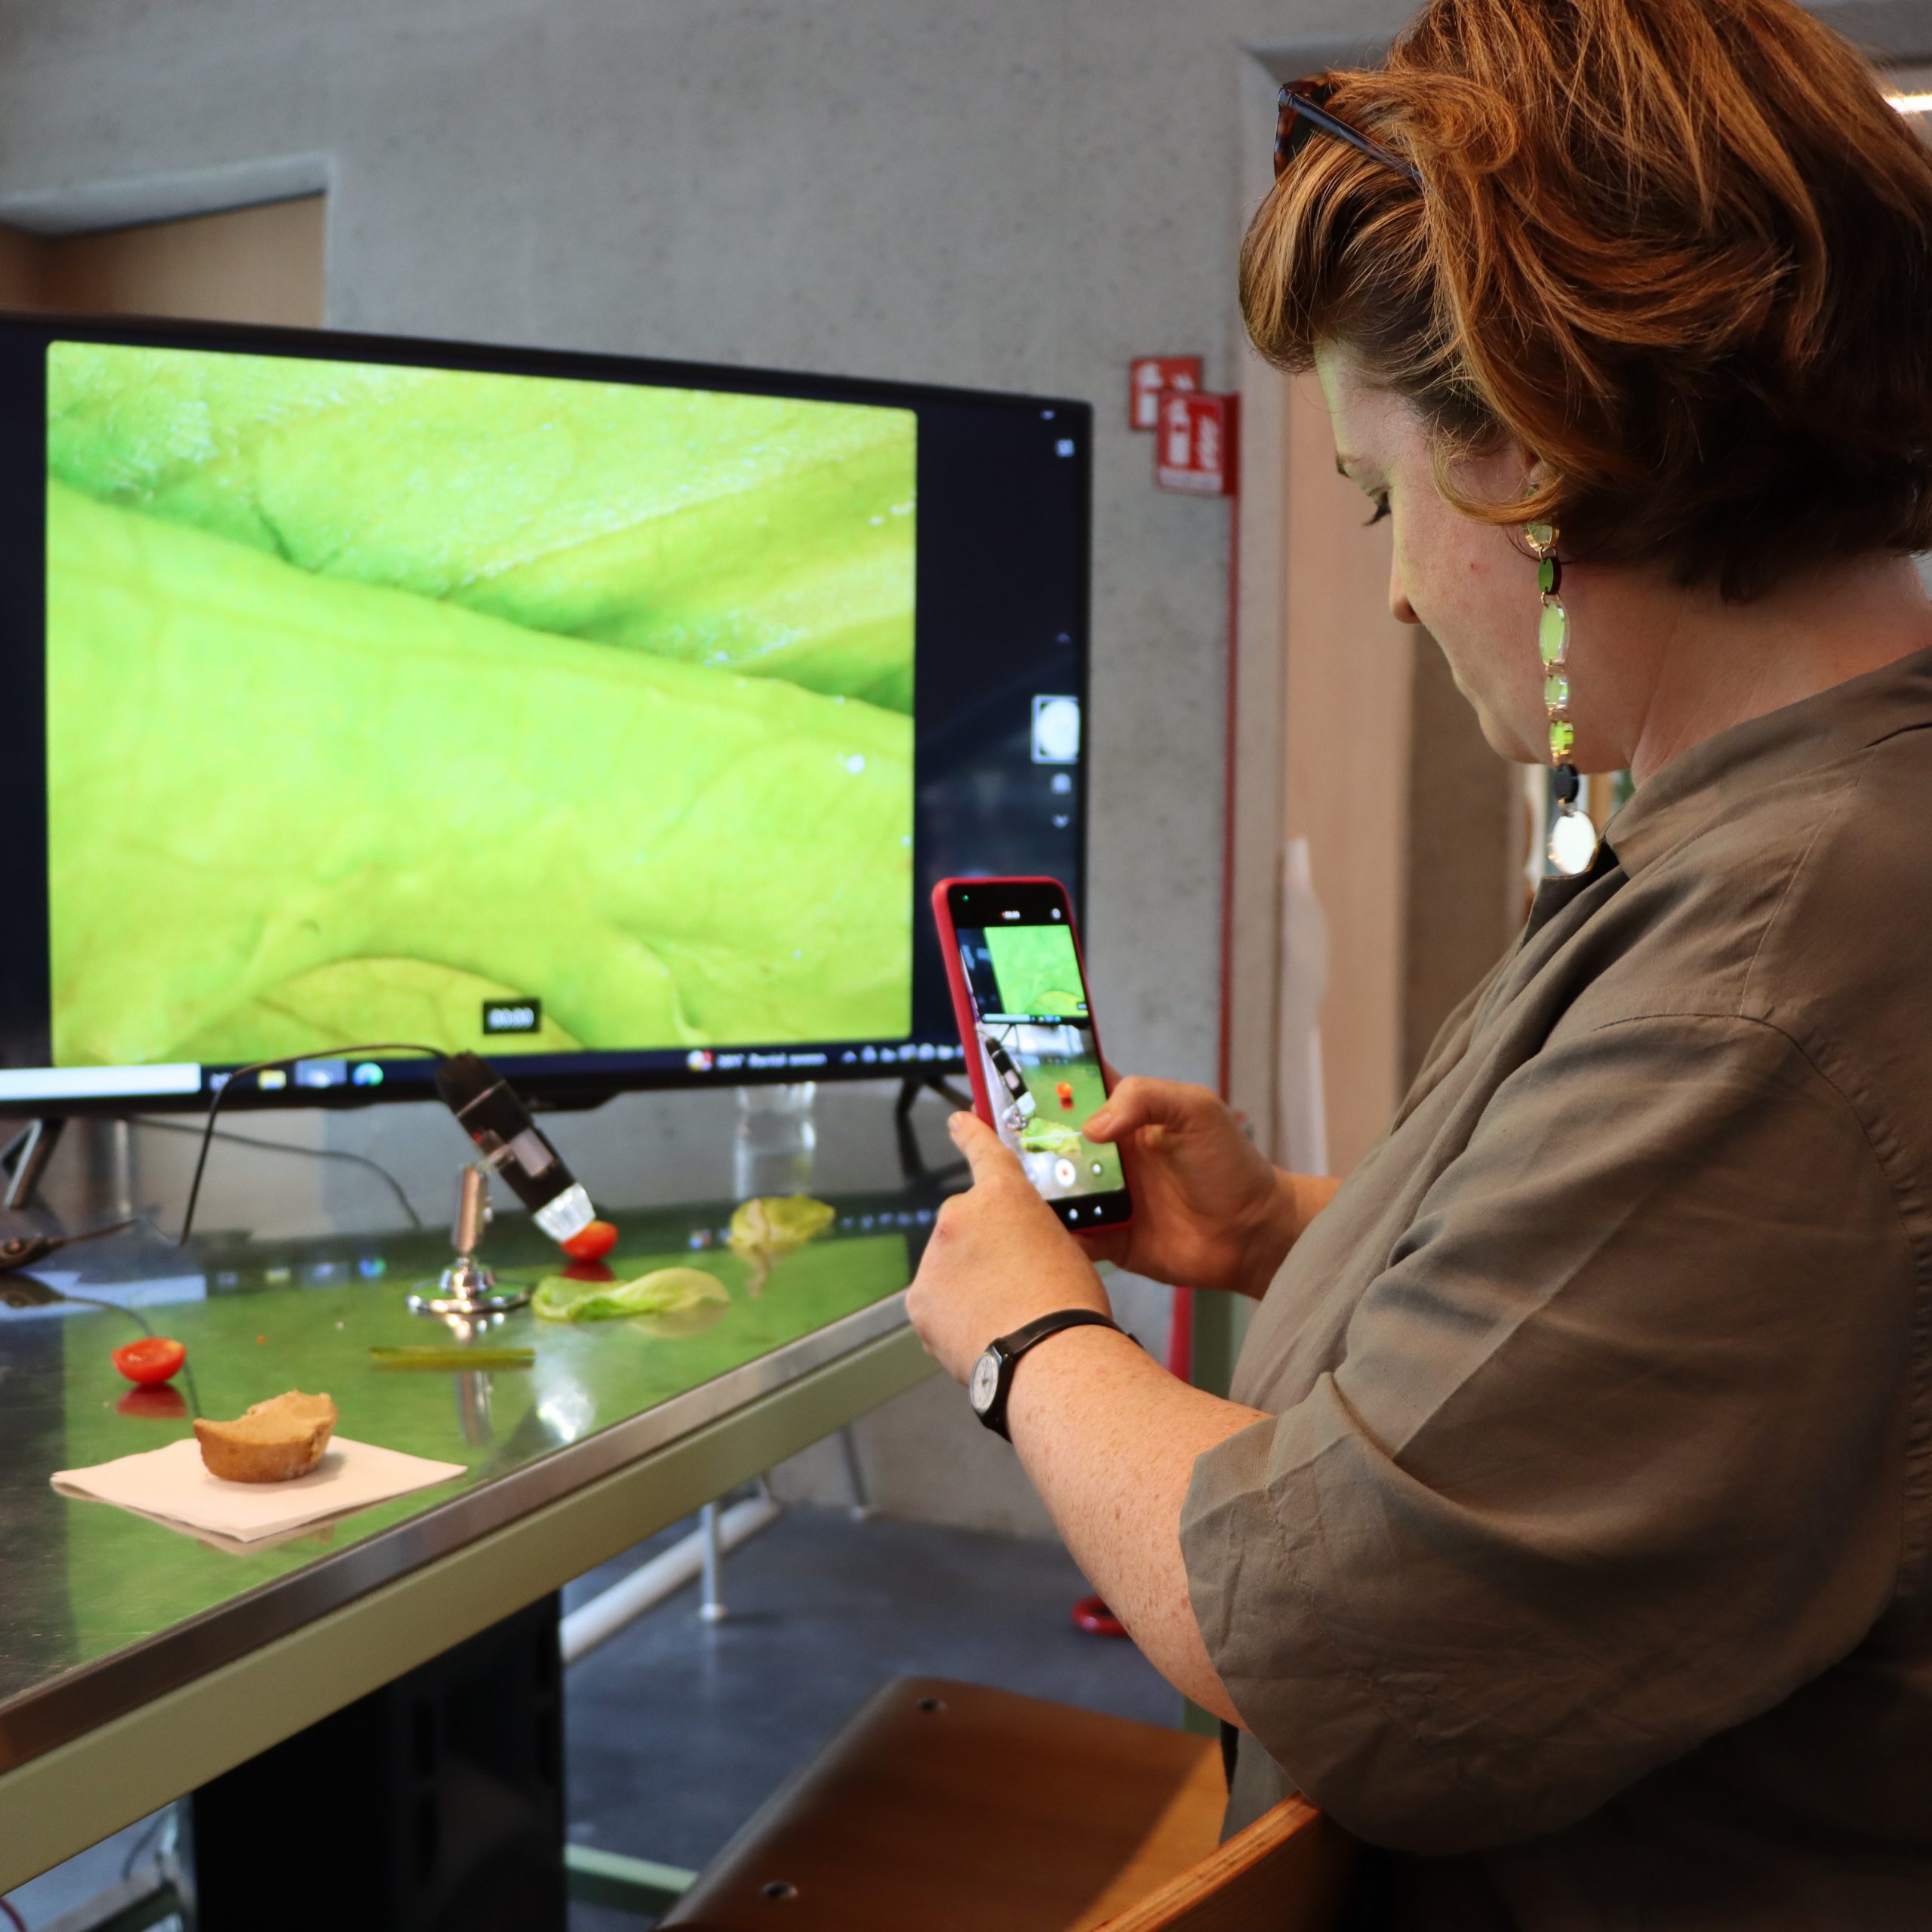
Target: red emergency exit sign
<point>1196,445</point>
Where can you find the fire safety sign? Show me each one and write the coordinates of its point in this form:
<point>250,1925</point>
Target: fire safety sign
<point>1149,378</point>
<point>1194,445</point>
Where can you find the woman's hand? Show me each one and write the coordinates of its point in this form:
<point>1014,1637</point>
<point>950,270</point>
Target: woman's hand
<point>1210,1211</point>
<point>998,1256</point>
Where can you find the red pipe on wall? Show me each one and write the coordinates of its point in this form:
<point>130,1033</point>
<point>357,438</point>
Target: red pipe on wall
<point>1180,1321</point>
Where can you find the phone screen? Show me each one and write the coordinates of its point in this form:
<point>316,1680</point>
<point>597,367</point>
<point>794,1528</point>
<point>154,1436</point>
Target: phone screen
<point>1037,1049</point>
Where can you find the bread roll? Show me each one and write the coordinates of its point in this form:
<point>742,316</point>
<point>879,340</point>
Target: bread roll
<point>273,1442</point>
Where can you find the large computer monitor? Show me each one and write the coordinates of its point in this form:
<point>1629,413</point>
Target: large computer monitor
<point>610,719</point>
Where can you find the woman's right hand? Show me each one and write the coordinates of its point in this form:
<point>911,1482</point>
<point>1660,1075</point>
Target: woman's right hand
<point>1210,1211</point>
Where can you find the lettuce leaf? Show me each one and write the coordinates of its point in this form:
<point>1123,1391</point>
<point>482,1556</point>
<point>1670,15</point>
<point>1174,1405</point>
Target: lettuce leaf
<point>775,1224</point>
<point>277,799</point>
<point>762,534</point>
<point>663,1291</point>
<point>768,1227</point>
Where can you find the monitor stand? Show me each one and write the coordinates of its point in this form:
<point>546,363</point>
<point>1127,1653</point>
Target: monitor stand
<point>911,1162</point>
<point>97,1178</point>
<point>26,1158</point>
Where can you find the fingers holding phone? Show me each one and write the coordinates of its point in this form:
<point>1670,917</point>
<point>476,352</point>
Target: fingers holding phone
<point>1156,1175</point>
<point>1032,1050</point>
<point>1211,1210</point>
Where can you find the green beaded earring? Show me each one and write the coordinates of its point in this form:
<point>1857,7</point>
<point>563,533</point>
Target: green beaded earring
<point>1573,838</point>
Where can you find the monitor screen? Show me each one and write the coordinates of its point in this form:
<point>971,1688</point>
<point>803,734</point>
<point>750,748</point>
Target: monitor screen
<point>608,719</point>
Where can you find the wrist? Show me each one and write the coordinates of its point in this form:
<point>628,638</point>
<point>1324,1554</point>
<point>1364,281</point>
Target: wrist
<point>1071,1367</point>
<point>1273,1231</point>
<point>990,1382</point>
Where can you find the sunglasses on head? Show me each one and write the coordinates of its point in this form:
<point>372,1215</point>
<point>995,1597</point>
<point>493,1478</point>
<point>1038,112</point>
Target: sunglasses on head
<point>1302,113</point>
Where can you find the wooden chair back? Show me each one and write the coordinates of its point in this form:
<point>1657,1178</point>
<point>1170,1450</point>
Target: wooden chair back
<point>951,1807</point>
<point>1288,1871</point>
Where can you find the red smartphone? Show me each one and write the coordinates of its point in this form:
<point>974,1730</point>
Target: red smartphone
<point>1019,995</point>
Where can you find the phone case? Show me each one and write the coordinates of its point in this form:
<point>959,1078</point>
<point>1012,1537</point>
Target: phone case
<point>962,1001</point>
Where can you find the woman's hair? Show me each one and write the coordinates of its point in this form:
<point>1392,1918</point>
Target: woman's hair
<point>1681,250</point>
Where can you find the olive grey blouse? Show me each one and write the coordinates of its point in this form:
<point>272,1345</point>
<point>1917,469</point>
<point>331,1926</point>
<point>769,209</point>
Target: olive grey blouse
<point>1584,1555</point>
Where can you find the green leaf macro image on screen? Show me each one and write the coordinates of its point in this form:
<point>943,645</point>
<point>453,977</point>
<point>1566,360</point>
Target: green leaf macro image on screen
<point>377,692</point>
<point>1037,969</point>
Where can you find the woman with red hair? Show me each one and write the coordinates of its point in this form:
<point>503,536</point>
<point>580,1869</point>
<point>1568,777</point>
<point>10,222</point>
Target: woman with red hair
<point>1567,1538</point>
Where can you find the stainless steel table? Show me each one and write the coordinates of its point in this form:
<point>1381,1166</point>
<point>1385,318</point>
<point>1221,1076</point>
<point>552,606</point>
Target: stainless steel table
<point>137,1662</point>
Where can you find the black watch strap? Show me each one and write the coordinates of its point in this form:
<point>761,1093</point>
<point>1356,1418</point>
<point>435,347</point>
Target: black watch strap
<point>1002,1357</point>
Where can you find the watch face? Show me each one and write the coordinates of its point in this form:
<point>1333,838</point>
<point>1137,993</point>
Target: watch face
<point>984,1384</point>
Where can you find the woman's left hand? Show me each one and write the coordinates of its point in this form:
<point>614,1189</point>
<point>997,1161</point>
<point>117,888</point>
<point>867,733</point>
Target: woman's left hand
<point>998,1256</point>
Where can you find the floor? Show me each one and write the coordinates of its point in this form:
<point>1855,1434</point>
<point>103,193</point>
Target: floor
<point>676,1729</point>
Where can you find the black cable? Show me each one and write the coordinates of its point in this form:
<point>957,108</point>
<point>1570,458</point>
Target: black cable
<point>285,1147</point>
<point>261,1065</point>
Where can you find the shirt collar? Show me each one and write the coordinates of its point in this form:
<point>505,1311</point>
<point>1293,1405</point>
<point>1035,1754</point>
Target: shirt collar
<point>1710,778</point>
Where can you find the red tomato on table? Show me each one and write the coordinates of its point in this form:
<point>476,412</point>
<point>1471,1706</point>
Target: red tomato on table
<point>153,1359</point>
<point>591,1243</point>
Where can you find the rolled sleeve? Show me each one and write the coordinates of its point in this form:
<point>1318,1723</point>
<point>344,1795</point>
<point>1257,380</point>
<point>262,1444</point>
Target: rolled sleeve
<point>1610,1463</point>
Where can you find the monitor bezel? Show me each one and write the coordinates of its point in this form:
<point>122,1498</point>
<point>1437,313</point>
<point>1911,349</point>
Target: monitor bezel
<point>596,1085</point>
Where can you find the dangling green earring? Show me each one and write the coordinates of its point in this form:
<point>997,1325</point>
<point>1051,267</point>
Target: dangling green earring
<point>1573,838</point>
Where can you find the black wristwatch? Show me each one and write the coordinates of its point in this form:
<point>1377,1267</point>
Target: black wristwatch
<point>987,1387</point>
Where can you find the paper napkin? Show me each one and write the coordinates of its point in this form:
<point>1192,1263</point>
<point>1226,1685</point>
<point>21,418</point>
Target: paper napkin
<point>174,1484</point>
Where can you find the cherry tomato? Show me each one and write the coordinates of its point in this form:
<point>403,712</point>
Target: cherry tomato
<point>153,1359</point>
<point>591,1244</point>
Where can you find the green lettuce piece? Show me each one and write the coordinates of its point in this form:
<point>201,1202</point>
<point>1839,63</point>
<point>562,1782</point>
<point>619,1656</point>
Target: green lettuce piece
<point>768,1227</point>
<point>776,1224</point>
<point>764,534</point>
<point>663,1291</point>
<point>277,799</point>
<point>1047,1137</point>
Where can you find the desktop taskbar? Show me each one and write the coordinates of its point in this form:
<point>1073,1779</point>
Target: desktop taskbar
<point>179,1080</point>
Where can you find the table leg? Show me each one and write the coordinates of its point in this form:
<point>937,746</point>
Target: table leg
<point>433,1805</point>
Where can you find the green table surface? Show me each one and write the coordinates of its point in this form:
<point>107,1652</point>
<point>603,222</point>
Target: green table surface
<point>105,1615</point>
